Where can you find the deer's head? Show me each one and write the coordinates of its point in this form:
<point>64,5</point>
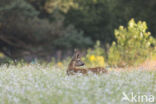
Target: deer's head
<point>76,59</point>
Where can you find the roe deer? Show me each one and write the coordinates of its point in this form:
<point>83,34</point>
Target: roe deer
<point>76,62</point>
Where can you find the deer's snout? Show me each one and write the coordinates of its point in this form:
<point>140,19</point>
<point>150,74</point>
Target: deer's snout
<point>79,63</point>
<point>83,64</point>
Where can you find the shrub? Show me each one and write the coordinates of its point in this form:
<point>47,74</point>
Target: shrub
<point>132,46</point>
<point>95,57</point>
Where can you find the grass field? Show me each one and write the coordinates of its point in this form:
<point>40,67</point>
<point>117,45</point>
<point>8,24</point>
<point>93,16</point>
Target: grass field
<point>35,84</point>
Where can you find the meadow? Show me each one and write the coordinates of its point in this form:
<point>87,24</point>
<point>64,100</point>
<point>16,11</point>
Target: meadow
<point>38,84</point>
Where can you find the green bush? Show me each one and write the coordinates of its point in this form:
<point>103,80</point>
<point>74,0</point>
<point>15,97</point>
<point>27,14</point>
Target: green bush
<point>132,46</point>
<point>95,57</point>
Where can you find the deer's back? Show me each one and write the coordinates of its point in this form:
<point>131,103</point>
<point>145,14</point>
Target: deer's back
<point>72,71</point>
<point>96,70</point>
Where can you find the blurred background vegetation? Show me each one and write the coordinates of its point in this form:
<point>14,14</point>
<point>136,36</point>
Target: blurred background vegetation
<point>42,29</point>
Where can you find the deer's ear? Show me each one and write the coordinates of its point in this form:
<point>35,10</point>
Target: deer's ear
<point>75,50</point>
<point>76,54</point>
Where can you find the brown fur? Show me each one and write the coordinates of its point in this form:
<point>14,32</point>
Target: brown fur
<point>75,62</point>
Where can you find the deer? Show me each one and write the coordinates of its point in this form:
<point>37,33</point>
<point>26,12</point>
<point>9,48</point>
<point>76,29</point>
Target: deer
<point>76,62</point>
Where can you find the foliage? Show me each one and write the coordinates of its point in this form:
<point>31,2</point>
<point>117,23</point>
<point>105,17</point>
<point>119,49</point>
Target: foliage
<point>16,8</point>
<point>95,57</point>
<point>71,39</point>
<point>93,17</point>
<point>22,33</point>
<point>133,44</point>
<point>63,5</point>
<point>98,18</point>
<point>14,36</point>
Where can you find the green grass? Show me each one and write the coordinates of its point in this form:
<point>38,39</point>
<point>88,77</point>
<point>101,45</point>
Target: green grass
<point>35,84</point>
